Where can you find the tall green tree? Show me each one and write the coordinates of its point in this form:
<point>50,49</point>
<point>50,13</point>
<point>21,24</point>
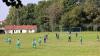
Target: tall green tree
<point>21,16</point>
<point>40,13</point>
<point>54,12</point>
<point>72,17</point>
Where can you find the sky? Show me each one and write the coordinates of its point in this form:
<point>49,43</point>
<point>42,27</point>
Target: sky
<point>5,9</point>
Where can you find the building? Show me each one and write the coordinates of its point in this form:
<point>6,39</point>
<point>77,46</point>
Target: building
<point>12,29</point>
<point>2,31</point>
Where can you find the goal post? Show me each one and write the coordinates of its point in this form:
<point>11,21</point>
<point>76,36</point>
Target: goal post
<point>72,29</point>
<point>76,29</point>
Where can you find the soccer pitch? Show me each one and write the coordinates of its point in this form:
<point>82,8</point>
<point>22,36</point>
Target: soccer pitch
<point>53,47</point>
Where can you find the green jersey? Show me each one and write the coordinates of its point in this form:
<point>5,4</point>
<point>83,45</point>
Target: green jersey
<point>18,44</point>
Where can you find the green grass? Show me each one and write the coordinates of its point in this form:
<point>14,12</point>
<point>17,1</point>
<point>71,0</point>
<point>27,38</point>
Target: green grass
<point>53,47</point>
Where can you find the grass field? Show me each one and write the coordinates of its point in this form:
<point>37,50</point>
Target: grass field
<point>53,47</point>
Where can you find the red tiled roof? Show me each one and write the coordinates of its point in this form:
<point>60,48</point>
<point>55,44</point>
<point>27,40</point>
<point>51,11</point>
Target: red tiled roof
<point>17,27</point>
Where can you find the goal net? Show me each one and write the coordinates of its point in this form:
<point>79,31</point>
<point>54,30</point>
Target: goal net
<point>72,29</point>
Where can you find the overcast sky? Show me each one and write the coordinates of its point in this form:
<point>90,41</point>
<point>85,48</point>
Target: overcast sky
<point>5,9</point>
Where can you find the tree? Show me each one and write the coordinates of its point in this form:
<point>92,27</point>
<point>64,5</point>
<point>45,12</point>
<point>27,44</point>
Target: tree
<point>68,5</point>
<point>50,14</point>
<point>40,13</point>
<point>21,16</point>
<point>71,18</point>
<point>90,9</point>
<point>54,12</point>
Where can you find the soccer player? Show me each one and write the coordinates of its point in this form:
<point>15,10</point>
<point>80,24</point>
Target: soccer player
<point>69,38</point>
<point>18,44</point>
<point>9,40</point>
<point>57,35</point>
<point>45,38</point>
<point>76,34</point>
<point>40,41</point>
<point>97,37</point>
<point>81,40</point>
<point>34,43</point>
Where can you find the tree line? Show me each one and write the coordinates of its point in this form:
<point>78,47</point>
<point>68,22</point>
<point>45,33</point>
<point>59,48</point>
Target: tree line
<point>50,15</point>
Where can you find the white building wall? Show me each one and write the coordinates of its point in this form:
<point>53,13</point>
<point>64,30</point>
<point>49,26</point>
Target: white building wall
<point>19,31</point>
<point>24,31</point>
<point>31,31</point>
<point>6,31</point>
<point>10,31</point>
<point>16,31</point>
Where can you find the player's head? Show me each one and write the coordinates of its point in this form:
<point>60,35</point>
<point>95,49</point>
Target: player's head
<point>17,39</point>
